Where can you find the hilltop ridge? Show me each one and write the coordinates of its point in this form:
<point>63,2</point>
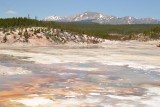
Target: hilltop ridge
<point>34,32</point>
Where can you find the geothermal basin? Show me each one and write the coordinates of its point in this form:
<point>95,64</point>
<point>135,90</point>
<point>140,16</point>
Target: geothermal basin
<point>111,74</point>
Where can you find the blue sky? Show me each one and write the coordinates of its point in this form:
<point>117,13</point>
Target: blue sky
<point>43,8</point>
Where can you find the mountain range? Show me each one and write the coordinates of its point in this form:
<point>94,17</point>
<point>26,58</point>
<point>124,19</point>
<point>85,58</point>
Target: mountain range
<point>93,17</point>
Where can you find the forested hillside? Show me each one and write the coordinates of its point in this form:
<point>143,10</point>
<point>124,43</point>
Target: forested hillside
<point>92,29</point>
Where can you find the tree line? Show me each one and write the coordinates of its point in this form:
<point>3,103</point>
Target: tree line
<point>23,22</point>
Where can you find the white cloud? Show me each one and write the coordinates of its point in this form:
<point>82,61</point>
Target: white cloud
<point>11,12</point>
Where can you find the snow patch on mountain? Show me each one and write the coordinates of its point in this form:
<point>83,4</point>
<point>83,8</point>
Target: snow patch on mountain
<point>53,18</point>
<point>102,19</point>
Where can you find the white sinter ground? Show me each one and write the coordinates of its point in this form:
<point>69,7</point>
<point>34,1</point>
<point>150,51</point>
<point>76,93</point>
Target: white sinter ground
<point>143,56</point>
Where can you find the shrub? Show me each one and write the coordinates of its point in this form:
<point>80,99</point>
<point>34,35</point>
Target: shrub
<point>26,36</point>
<point>5,39</point>
<point>8,33</point>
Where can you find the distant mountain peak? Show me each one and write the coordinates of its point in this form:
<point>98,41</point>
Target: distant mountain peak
<point>94,17</point>
<point>90,16</point>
